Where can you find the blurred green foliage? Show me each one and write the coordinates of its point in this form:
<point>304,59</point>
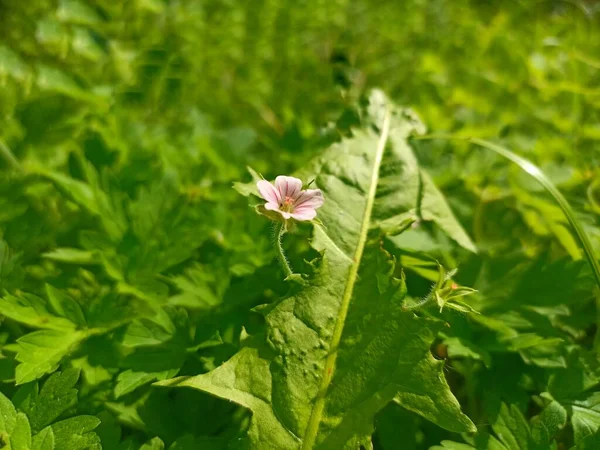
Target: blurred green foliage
<point>128,258</point>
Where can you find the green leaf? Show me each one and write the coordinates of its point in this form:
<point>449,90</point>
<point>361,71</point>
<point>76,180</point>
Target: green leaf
<point>341,347</point>
<point>129,380</point>
<point>513,430</point>
<point>11,272</point>
<point>247,189</point>
<point>8,416</point>
<point>510,426</point>
<point>547,425</point>
<point>77,433</point>
<point>14,427</point>
<point>71,256</point>
<point>591,442</point>
<point>44,440</point>
<point>41,352</point>
<point>153,444</point>
<point>462,348</point>
<point>204,443</point>
<point>56,396</point>
<point>65,306</point>
<point>20,438</point>
<point>12,64</point>
<point>585,415</point>
<point>75,11</point>
<point>78,191</point>
<point>449,445</point>
<point>31,310</point>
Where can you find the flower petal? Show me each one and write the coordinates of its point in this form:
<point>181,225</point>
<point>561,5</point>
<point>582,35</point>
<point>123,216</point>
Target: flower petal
<point>275,207</point>
<point>310,198</point>
<point>272,206</point>
<point>268,191</point>
<point>288,186</point>
<point>304,214</point>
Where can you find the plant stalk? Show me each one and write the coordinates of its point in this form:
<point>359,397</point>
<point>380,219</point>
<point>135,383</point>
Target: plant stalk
<point>279,232</point>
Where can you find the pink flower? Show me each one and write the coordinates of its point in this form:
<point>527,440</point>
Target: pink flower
<point>288,199</point>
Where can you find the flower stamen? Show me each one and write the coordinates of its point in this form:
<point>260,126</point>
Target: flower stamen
<point>287,205</point>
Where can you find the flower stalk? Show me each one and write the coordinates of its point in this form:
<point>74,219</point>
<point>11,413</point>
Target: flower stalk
<point>280,230</point>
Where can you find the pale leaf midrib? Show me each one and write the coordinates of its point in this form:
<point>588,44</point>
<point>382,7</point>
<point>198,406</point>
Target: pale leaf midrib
<point>312,428</point>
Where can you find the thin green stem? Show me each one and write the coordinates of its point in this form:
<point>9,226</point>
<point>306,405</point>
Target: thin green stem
<point>279,232</point>
<point>8,156</point>
<point>541,178</point>
<point>312,429</point>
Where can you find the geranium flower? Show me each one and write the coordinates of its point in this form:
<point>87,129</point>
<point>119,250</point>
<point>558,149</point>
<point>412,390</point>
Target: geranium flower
<point>287,198</point>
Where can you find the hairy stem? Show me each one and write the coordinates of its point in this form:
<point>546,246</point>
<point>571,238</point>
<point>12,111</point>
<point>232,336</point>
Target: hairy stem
<point>279,232</point>
<point>425,301</point>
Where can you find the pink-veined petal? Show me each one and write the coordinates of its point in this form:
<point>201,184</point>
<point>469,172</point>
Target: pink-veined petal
<point>310,198</point>
<point>288,186</point>
<point>268,191</point>
<point>272,206</point>
<point>304,214</point>
<point>275,207</point>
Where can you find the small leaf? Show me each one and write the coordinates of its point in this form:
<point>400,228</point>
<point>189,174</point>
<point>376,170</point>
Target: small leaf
<point>449,445</point>
<point>128,381</point>
<point>20,437</point>
<point>65,306</point>
<point>248,189</point>
<point>31,310</point>
<point>56,396</point>
<point>8,416</point>
<point>77,433</point>
<point>585,415</point>
<point>41,352</point>
<point>80,192</point>
<point>189,442</point>
<point>12,64</point>
<point>44,440</point>
<point>71,256</point>
<point>75,11</point>
<point>153,444</point>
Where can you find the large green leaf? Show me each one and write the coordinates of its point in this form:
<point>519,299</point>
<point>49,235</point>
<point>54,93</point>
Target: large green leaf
<point>341,346</point>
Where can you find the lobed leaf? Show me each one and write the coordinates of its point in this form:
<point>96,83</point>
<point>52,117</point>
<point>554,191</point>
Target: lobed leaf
<point>341,347</point>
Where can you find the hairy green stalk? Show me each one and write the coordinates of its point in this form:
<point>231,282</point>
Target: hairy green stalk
<point>278,235</point>
<point>312,428</point>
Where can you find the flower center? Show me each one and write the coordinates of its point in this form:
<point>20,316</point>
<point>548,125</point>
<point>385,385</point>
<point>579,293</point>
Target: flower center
<point>287,205</point>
